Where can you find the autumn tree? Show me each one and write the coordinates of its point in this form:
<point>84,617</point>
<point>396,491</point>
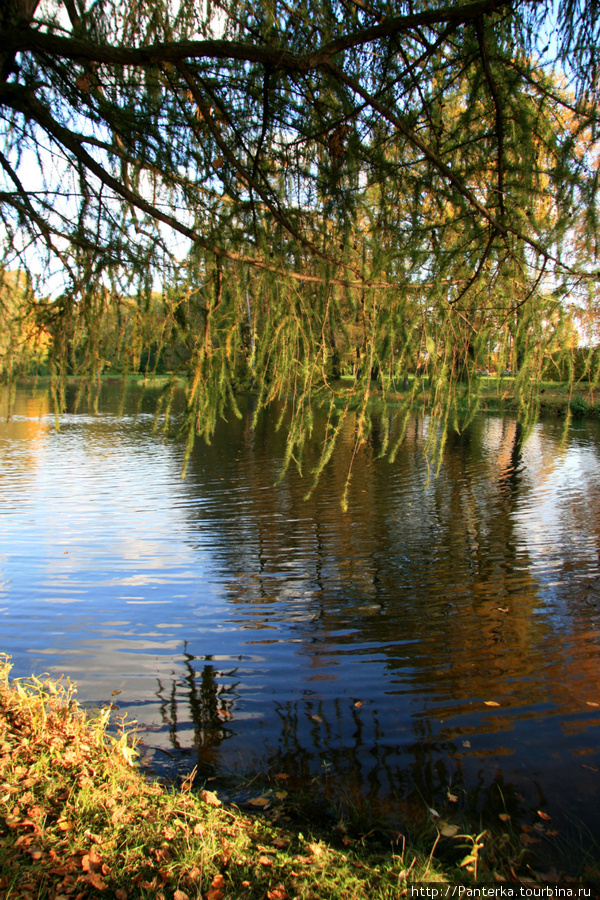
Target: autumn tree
<point>286,175</point>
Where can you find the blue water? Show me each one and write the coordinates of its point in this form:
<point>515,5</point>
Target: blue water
<point>247,629</point>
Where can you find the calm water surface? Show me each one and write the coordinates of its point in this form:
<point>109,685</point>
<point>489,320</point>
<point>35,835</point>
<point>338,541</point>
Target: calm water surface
<point>250,630</point>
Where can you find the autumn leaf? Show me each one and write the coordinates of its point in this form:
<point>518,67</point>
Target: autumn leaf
<point>210,798</point>
<point>448,830</point>
<point>218,882</point>
<point>528,839</point>
<point>259,802</point>
<point>491,703</point>
<point>95,880</point>
<point>544,816</point>
<point>180,895</point>
<point>265,861</point>
<point>504,817</point>
<point>82,82</point>
<point>278,893</point>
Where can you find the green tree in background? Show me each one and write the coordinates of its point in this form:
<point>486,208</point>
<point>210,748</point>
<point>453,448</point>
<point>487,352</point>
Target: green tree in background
<point>395,186</point>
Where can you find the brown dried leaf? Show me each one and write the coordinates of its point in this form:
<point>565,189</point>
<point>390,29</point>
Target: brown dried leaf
<point>544,816</point>
<point>210,798</point>
<point>278,893</point>
<point>265,861</point>
<point>528,839</point>
<point>491,703</point>
<point>82,82</point>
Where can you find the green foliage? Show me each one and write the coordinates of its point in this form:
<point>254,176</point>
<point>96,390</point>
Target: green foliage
<point>269,197</point>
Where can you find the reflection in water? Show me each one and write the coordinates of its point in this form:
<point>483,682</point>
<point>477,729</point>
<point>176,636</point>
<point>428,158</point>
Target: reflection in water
<point>359,653</point>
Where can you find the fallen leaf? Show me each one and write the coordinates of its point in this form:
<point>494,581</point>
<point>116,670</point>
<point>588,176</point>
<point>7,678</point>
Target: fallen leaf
<point>215,895</point>
<point>259,802</point>
<point>358,704</point>
<point>210,798</point>
<point>448,830</point>
<point>452,797</point>
<point>528,839</point>
<point>278,893</point>
<point>265,861</point>
<point>218,882</point>
<point>95,880</point>
<point>316,718</point>
<point>544,816</point>
<point>217,163</point>
<point>491,703</point>
<point>180,895</point>
<point>504,817</point>
<point>281,776</point>
<point>591,703</point>
<point>466,743</point>
<point>120,894</point>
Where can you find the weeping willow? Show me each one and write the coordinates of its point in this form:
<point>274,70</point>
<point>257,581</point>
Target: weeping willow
<point>268,195</point>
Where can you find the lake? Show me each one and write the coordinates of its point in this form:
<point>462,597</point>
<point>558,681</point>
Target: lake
<point>440,638</point>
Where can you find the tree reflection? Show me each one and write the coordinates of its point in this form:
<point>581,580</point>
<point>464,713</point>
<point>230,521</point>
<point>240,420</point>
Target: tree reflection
<point>210,703</point>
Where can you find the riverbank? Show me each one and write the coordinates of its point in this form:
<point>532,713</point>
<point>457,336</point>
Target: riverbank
<point>78,819</point>
<point>497,394</point>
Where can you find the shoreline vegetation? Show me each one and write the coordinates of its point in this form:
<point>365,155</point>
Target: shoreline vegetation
<point>497,393</point>
<point>79,819</point>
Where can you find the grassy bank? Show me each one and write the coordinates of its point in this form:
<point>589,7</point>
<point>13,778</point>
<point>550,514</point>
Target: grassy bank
<point>78,820</point>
